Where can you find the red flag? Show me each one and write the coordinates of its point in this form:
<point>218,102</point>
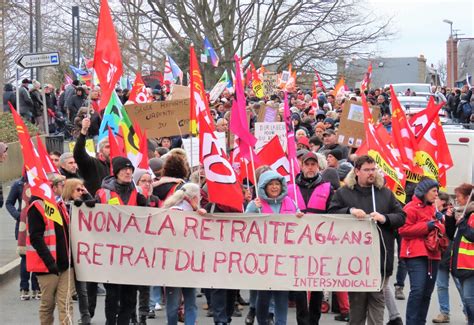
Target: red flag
<point>273,155</point>
<point>48,165</point>
<point>314,102</point>
<point>35,173</point>
<point>199,103</point>
<point>107,57</point>
<point>320,83</point>
<point>434,156</point>
<point>239,125</point>
<point>223,187</point>
<point>139,94</point>
<point>115,150</point>
<point>403,138</point>
<point>144,151</point>
<point>423,120</point>
<point>377,149</point>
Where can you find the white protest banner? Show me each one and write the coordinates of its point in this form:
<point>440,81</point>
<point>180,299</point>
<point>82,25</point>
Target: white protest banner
<point>150,246</point>
<point>193,150</point>
<point>217,91</point>
<point>265,131</point>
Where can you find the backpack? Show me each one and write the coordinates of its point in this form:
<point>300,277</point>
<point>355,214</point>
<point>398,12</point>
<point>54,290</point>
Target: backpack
<point>464,109</point>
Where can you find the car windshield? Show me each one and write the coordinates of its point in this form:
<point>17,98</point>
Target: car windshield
<point>413,88</point>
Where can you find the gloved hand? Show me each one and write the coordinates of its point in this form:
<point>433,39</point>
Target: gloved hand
<point>90,203</point>
<point>431,225</point>
<point>78,202</point>
<point>439,216</point>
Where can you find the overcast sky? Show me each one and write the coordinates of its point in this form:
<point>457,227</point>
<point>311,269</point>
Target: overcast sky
<point>420,28</point>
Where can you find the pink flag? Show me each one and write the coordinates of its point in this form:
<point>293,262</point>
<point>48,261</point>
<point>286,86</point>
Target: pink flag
<point>238,118</point>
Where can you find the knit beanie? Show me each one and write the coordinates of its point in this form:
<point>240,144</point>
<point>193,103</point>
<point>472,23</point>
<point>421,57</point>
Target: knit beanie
<point>343,170</point>
<point>138,173</point>
<point>424,186</point>
<point>336,153</point>
<point>119,163</point>
<point>156,164</point>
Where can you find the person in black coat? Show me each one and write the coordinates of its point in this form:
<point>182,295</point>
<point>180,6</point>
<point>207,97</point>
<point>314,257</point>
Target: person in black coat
<point>9,95</point>
<point>93,170</point>
<point>355,198</point>
<point>74,103</point>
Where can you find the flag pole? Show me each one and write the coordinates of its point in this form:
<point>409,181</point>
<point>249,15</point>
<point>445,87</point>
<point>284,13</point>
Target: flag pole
<point>294,180</point>
<point>253,169</point>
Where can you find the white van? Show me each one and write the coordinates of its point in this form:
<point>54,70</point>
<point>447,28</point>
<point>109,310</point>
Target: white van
<point>461,146</point>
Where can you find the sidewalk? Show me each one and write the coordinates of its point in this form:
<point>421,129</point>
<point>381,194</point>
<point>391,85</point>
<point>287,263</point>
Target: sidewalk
<point>9,259</point>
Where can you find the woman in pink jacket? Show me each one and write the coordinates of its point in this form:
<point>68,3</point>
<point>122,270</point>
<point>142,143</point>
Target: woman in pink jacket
<point>422,264</point>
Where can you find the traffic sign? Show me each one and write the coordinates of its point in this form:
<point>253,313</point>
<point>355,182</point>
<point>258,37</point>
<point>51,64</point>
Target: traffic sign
<point>36,60</point>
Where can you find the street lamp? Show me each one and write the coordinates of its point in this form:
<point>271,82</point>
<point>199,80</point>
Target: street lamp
<point>447,21</point>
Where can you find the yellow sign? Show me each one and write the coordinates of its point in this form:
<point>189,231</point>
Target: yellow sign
<point>90,147</point>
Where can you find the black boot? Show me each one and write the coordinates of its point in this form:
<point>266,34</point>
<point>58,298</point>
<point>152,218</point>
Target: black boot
<point>142,320</point>
<point>250,318</point>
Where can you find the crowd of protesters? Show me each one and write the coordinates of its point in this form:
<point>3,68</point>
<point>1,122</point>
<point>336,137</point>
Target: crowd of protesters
<point>332,180</point>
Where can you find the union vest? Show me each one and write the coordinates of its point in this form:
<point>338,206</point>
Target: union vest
<point>107,196</point>
<point>466,252</point>
<point>287,206</point>
<point>34,263</point>
<point>317,200</point>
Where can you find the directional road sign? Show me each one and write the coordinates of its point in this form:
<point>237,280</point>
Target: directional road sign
<point>35,60</point>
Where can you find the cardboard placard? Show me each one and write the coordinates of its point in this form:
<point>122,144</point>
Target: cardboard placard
<point>270,83</point>
<point>267,114</point>
<point>179,92</point>
<point>351,130</point>
<point>131,245</point>
<point>162,119</point>
<point>264,132</point>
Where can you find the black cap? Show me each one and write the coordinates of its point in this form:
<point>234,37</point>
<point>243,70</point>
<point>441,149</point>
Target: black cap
<point>329,131</point>
<point>26,81</point>
<point>119,163</point>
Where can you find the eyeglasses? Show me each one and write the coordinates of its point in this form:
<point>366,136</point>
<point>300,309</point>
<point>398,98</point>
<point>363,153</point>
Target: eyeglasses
<point>369,170</point>
<point>145,181</point>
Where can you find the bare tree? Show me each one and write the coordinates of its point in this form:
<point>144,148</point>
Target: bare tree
<point>277,32</point>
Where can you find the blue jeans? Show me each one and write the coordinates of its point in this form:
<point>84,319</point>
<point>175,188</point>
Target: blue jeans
<point>223,304</point>
<point>467,289</point>
<point>155,296</point>
<point>263,306</point>
<point>173,299</point>
<point>442,285</point>
<point>253,301</point>
<point>421,287</point>
<point>25,277</point>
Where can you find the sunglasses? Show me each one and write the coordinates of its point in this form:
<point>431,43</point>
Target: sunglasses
<point>79,190</point>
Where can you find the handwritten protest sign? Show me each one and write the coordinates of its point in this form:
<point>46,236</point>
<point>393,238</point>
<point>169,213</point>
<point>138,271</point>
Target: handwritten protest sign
<point>162,119</point>
<point>264,132</point>
<point>150,246</point>
<point>270,83</point>
<point>351,130</point>
<point>89,147</point>
<point>267,114</point>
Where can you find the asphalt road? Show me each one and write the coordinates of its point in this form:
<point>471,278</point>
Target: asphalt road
<point>14,311</point>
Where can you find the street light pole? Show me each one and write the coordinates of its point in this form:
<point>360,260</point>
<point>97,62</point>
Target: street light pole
<point>452,50</point>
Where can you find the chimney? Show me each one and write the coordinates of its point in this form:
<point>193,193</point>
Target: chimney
<point>452,61</point>
<point>421,69</point>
